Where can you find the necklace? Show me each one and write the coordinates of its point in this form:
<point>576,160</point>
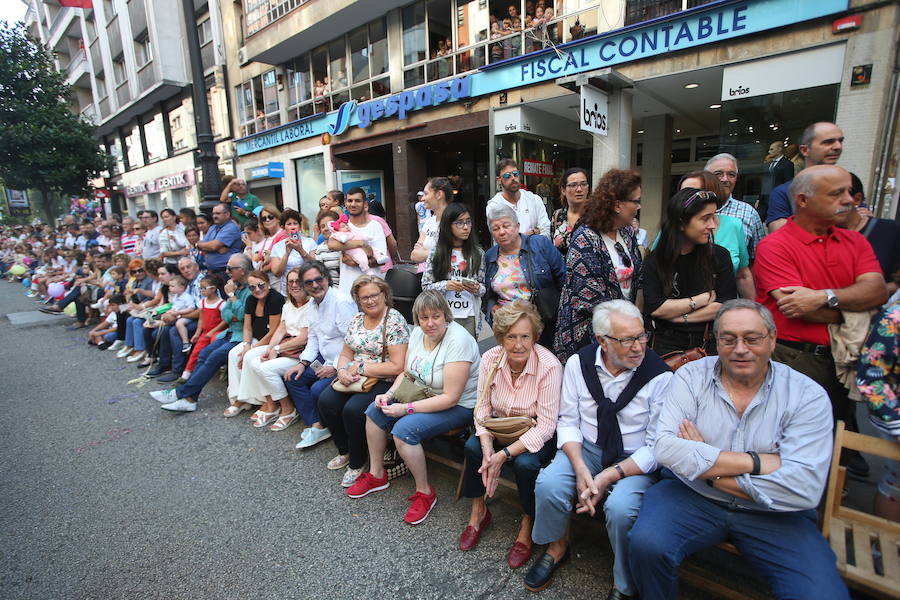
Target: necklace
<point>516,372</point>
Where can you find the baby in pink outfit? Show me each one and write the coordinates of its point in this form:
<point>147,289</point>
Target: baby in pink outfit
<point>342,233</point>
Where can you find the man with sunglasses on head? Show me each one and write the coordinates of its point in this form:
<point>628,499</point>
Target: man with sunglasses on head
<point>611,397</point>
<point>529,207</point>
<point>222,240</point>
<point>184,397</point>
<point>724,166</point>
<point>746,444</point>
<point>329,316</point>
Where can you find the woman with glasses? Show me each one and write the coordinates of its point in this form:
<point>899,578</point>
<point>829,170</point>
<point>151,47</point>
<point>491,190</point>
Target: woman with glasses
<point>139,289</point>
<point>270,227</point>
<point>262,316</point>
<point>374,347</point>
<point>438,193</point>
<point>137,336</point>
<point>455,267</point>
<point>575,189</point>
<point>264,366</point>
<point>687,277</point>
<point>603,261</point>
<point>293,250</point>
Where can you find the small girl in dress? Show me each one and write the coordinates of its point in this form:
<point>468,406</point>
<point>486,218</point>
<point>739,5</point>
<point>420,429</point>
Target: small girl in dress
<point>210,323</point>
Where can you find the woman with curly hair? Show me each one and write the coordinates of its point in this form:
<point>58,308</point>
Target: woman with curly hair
<point>604,259</point>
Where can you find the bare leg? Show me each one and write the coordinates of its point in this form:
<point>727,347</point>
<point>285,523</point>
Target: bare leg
<point>287,405</point>
<point>414,456</point>
<point>181,326</point>
<point>524,535</point>
<point>479,508</point>
<point>269,405</point>
<point>376,438</point>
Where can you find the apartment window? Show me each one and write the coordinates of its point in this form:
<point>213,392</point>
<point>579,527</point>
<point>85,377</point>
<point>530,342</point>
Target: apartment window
<point>414,33</point>
<point>257,102</point>
<point>142,52</point>
<point>204,30</point>
<point>133,148</point>
<point>156,139</point>
<point>119,70</point>
<point>270,100</point>
<point>109,9</point>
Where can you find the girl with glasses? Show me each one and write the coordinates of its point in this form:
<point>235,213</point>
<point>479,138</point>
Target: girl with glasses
<point>603,261</point>
<point>210,323</point>
<point>687,276</point>
<point>455,267</point>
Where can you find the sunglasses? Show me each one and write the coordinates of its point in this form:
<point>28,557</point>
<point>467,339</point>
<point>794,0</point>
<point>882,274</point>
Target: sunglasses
<point>230,268</point>
<point>314,281</point>
<point>208,288</point>
<point>292,282</point>
<point>267,218</point>
<point>510,174</point>
<point>136,271</point>
<point>701,194</point>
<point>257,286</point>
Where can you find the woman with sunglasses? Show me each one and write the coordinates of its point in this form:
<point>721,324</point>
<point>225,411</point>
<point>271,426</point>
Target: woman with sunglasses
<point>574,188</point>
<point>438,193</point>
<point>138,289</point>
<point>687,276</point>
<point>270,227</point>
<point>455,267</point>
<point>603,261</point>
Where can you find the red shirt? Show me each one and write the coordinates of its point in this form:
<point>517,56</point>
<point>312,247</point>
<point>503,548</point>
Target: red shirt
<point>793,256</point>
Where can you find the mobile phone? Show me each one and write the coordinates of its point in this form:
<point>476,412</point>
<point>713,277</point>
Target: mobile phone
<point>316,365</point>
<point>295,235</point>
<point>468,280</point>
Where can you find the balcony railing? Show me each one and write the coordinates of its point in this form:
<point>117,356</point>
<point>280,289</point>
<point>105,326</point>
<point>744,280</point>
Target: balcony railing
<point>260,13</point>
<point>78,61</point>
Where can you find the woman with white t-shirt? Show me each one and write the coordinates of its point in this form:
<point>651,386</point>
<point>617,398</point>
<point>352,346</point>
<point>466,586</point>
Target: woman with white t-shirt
<point>455,267</point>
<point>437,195</point>
<point>253,240</point>
<point>172,243</point>
<point>436,393</point>
<point>293,250</point>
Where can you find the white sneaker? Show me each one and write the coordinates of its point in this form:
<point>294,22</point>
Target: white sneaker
<point>181,405</point>
<point>124,352</point>
<point>116,345</point>
<point>313,436</point>
<point>137,357</point>
<point>350,476</point>
<point>164,396</point>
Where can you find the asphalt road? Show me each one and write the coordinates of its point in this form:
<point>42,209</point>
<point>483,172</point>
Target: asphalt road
<point>107,496</point>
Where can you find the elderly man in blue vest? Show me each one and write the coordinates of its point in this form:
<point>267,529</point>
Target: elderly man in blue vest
<point>611,398</point>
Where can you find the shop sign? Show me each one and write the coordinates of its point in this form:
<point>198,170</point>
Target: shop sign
<point>272,170</point>
<point>794,71</point>
<point>709,24</point>
<point>593,115</point>
<point>537,168</point>
<point>169,182</point>
<point>101,194</point>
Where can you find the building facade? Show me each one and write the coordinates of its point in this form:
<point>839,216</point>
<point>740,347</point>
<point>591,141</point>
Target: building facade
<point>385,94</point>
<point>128,65</point>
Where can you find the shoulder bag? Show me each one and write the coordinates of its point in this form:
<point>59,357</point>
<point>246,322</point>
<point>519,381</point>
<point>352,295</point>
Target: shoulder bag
<point>546,300</point>
<point>410,390</point>
<point>365,384</point>
<point>505,430</point>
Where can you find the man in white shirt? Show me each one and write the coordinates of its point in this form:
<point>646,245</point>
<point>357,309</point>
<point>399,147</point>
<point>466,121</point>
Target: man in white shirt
<point>360,224</point>
<point>611,399</point>
<point>329,316</point>
<point>529,207</point>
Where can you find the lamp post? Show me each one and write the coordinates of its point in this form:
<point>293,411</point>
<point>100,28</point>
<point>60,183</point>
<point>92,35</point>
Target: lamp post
<point>206,146</point>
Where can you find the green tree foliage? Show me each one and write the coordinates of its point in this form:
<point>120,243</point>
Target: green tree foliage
<point>43,145</point>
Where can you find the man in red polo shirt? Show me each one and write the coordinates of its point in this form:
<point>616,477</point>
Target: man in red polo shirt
<point>810,270</point>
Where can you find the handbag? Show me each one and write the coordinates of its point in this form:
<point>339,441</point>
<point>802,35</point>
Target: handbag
<point>394,465</point>
<point>295,353</point>
<point>505,430</point>
<point>364,385</point>
<point>546,300</point>
<point>411,390</point>
<point>679,358</point>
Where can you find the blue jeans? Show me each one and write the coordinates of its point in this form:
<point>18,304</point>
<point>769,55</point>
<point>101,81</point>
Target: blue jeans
<point>554,495</point>
<point>525,467</point>
<point>208,362</point>
<point>416,428</point>
<point>170,354</point>
<point>110,337</point>
<point>785,547</point>
<point>134,334</point>
<point>304,390</point>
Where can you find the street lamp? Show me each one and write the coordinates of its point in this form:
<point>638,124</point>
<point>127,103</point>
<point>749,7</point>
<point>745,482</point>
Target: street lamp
<point>209,160</point>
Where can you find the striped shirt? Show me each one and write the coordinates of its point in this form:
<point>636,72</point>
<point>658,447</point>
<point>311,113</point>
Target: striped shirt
<point>534,394</point>
<point>128,244</point>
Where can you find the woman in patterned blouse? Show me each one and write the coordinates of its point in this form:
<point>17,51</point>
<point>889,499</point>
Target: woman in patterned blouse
<point>575,189</point>
<point>604,259</point>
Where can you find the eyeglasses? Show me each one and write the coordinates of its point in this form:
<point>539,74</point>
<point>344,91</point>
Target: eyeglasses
<point>296,282</point>
<point>136,271</point>
<point>463,223</point>
<point>313,281</point>
<point>208,288</point>
<point>635,201</point>
<point>729,174</point>
<point>509,174</point>
<point>230,268</point>
<point>577,185</point>
<point>701,194</point>
<point>629,341</point>
<point>369,298</point>
<point>752,341</point>
<point>623,256</point>
<point>257,286</point>
<point>267,218</point>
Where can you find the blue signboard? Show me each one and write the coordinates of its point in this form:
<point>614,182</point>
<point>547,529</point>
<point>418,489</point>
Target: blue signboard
<point>271,170</point>
<point>703,25</point>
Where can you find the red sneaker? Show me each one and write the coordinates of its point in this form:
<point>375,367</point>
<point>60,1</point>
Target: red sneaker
<point>366,484</point>
<point>420,508</point>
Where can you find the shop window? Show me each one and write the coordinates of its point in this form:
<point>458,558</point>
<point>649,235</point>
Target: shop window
<point>413,77</point>
<point>472,22</point>
<point>381,87</point>
<point>299,83</point>
<point>360,93</point>
<point>156,139</point>
<point>359,54</point>
<point>638,11</point>
<point>584,19</point>
<point>413,19</point>
<point>681,151</point>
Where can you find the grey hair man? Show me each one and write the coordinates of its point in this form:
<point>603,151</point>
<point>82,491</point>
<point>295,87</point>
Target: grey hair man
<point>725,167</point>
<point>611,397</point>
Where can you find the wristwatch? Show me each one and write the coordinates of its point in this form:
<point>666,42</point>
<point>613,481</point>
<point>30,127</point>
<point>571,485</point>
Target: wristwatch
<point>277,349</point>
<point>410,409</point>
<point>360,368</point>
<point>831,299</point>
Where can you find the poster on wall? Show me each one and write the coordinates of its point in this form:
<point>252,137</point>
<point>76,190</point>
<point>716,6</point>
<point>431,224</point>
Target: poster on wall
<point>17,200</point>
<point>371,181</point>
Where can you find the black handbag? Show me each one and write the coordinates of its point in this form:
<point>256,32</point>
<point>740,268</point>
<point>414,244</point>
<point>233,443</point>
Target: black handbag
<point>546,300</point>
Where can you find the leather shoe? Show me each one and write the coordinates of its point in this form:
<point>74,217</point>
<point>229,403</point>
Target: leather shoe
<point>615,594</point>
<point>470,536</point>
<point>541,572</point>
<point>167,378</point>
<point>518,555</point>
<point>156,371</point>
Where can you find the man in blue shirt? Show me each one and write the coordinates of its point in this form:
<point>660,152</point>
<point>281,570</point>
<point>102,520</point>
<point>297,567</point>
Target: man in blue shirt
<point>221,241</point>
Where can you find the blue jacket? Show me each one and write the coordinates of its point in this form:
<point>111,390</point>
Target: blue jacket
<point>549,267</point>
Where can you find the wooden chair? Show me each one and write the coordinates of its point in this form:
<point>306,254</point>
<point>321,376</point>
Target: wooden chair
<point>857,537</point>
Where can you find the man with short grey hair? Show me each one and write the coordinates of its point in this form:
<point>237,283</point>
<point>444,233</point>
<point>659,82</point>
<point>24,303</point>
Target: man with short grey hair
<point>724,166</point>
<point>611,397</point>
<point>749,442</point>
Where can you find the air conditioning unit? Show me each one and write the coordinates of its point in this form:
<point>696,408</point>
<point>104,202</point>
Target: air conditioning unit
<point>242,56</point>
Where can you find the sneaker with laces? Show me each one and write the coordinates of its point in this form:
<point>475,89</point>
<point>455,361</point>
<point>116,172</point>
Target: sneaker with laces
<point>420,507</point>
<point>350,476</point>
<point>313,436</point>
<point>366,484</point>
<point>185,347</point>
<point>164,396</point>
<point>181,405</point>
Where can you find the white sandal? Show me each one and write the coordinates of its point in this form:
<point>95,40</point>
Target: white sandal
<point>284,421</point>
<point>234,410</point>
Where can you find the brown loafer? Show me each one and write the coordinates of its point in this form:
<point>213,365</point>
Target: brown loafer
<point>518,555</point>
<point>470,536</point>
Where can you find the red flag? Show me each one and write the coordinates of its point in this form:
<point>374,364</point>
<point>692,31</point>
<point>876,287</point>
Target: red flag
<point>76,3</point>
